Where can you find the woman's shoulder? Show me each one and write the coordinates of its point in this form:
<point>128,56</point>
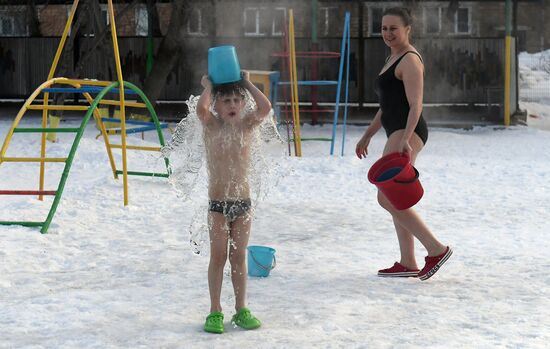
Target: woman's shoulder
<point>413,54</point>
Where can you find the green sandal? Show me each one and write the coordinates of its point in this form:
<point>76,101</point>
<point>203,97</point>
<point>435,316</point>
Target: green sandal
<point>246,320</point>
<point>214,322</point>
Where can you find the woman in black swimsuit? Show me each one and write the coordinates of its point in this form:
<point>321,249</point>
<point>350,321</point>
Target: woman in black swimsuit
<point>400,89</point>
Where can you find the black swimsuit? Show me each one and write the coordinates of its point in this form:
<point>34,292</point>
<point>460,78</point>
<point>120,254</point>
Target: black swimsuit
<point>394,104</point>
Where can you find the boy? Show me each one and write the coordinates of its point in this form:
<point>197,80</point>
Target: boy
<point>227,138</point>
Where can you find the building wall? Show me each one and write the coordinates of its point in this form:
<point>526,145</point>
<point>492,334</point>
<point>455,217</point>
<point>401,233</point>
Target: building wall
<point>227,18</point>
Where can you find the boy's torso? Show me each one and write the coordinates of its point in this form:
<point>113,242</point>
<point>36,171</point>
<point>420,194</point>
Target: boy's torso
<point>228,160</point>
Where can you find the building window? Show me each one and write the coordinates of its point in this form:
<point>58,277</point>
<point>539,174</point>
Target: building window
<point>104,14</point>
<point>254,20</point>
<point>279,21</point>
<point>7,26</point>
<point>142,21</point>
<point>325,14</point>
<point>375,20</point>
<point>462,21</point>
<point>13,23</point>
<point>194,24</point>
<point>432,20</point>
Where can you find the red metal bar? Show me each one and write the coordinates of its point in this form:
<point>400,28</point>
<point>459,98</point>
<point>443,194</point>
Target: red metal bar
<point>27,192</point>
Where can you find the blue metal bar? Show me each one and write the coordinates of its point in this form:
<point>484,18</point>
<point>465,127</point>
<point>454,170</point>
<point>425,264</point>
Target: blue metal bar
<point>340,71</point>
<point>347,84</point>
<point>141,129</point>
<point>133,122</point>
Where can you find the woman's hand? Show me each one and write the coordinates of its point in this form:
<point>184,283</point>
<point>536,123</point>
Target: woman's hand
<point>405,147</point>
<point>246,75</point>
<point>361,147</point>
<point>205,82</point>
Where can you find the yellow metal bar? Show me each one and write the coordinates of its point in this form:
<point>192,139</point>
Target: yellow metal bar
<point>294,86</point>
<point>57,107</point>
<point>507,79</point>
<point>63,39</point>
<point>97,116</point>
<point>135,147</point>
<point>122,106</point>
<point>43,138</point>
<point>128,104</point>
<point>87,82</point>
<point>41,160</point>
<point>21,112</point>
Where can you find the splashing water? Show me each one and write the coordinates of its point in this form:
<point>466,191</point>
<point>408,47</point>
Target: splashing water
<point>195,169</point>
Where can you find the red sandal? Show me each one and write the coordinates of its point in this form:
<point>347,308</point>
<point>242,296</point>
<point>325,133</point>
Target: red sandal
<point>434,263</point>
<point>398,271</point>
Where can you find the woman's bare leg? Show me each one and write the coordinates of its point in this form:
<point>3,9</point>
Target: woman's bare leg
<point>408,223</point>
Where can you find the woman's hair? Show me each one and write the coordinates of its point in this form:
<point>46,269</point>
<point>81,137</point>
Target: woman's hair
<point>402,12</point>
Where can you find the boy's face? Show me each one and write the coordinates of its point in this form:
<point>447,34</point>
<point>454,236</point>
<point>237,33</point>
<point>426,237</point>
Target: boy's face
<point>229,107</point>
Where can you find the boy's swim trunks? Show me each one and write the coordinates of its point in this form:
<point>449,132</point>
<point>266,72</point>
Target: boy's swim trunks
<point>231,209</point>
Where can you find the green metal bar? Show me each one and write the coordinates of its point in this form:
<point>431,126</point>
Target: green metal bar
<point>44,130</point>
<point>25,224</point>
<point>72,153</point>
<point>146,174</point>
<point>79,133</point>
<point>153,116</point>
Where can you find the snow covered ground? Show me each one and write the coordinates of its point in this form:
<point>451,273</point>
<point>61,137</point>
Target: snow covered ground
<point>109,276</point>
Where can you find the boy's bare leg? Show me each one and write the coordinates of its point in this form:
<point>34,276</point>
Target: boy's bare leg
<point>240,233</point>
<point>408,219</point>
<point>219,235</point>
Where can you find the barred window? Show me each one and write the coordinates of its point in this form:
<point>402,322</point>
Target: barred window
<point>432,19</point>
<point>462,21</point>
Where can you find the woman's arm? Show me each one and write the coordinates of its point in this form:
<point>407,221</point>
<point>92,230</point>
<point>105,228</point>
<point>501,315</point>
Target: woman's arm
<point>361,149</point>
<point>412,74</point>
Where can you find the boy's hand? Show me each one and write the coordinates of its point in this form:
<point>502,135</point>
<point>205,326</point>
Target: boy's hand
<point>205,82</point>
<point>246,75</point>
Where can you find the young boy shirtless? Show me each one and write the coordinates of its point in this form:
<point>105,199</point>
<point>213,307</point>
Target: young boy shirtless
<point>228,133</point>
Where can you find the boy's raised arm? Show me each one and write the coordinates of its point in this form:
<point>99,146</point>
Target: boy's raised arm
<point>203,105</point>
<point>262,102</point>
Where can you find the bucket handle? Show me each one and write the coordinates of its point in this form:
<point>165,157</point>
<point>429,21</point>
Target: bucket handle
<point>409,180</point>
<point>260,264</point>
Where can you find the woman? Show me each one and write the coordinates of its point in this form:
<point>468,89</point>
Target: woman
<point>400,88</point>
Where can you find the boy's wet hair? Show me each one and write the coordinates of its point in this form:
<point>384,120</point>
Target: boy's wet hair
<point>230,89</point>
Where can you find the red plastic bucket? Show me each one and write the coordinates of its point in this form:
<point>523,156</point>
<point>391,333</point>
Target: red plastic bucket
<point>397,179</point>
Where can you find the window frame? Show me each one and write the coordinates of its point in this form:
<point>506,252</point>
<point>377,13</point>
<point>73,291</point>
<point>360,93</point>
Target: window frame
<point>371,22</point>
<point>273,32</point>
<point>140,9</point>
<point>439,20</point>
<point>257,19</point>
<point>200,30</point>
<point>325,11</point>
<point>455,26</point>
<point>9,18</point>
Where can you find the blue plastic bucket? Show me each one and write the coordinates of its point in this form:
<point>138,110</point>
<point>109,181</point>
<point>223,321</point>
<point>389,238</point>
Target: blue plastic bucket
<point>261,260</point>
<point>223,65</point>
